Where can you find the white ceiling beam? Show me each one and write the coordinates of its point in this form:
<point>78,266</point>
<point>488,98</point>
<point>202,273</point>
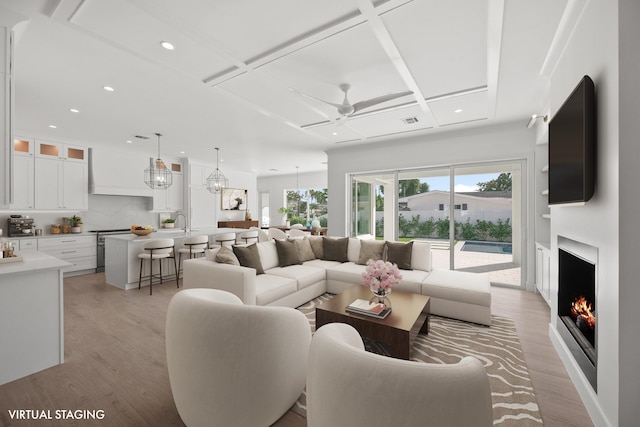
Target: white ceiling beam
<point>495,29</point>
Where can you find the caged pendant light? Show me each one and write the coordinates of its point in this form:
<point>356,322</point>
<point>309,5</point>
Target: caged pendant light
<point>216,182</point>
<point>158,175</point>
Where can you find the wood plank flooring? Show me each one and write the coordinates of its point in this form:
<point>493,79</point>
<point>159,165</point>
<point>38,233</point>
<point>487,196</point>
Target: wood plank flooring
<point>115,360</point>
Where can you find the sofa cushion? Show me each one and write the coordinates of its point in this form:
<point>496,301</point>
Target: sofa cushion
<point>270,288</point>
<point>335,249</point>
<point>268,254</point>
<point>225,255</point>
<point>421,256</point>
<point>248,256</point>
<point>411,281</point>
<point>462,286</point>
<point>287,253</point>
<point>347,272</point>
<point>305,275</point>
<point>317,246</point>
<point>400,254</point>
<point>353,249</point>
<point>305,253</point>
<point>210,254</point>
<point>321,263</point>
<point>370,249</point>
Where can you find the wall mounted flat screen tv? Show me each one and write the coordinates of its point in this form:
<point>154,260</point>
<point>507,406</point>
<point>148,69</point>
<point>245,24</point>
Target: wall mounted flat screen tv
<point>572,147</point>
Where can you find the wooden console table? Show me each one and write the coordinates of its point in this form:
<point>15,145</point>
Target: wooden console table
<point>237,224</point>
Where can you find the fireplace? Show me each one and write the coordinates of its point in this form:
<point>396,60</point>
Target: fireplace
<point>577,305</point>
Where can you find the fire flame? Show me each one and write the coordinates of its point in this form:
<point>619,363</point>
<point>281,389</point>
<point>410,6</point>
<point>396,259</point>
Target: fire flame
<point>582,308</point>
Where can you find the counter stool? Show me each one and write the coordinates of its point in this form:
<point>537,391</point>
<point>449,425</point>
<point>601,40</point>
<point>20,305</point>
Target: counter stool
<point>152,250</point>
<point>224,239</point>
<point>247,237</point>
<point>194,246</point>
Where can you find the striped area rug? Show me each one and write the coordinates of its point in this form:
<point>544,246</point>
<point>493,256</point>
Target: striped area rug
<point>448,341</point>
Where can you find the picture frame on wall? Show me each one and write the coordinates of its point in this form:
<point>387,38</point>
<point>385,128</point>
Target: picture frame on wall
<point>234,199</point>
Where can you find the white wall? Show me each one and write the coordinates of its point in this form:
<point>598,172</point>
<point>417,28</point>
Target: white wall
<point>593,50</point>
<point>276,185</point>
<point>483,144</point>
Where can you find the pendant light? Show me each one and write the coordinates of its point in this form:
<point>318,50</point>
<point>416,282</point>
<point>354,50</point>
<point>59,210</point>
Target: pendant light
<point>158,175</point>
<point>216,182</point>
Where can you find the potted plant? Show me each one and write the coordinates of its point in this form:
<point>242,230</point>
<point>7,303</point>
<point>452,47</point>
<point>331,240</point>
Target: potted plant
<point>169,223</point>
<point>285,219</point>
<point>76,224</point>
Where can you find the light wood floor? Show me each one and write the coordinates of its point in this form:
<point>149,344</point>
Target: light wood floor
<point>115,360</point>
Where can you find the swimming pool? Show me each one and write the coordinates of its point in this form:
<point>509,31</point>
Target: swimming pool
<point>487,247</point>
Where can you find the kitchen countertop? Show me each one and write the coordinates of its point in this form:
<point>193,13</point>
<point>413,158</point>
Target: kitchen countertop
<point>174,233</point>
<point>32,261</point>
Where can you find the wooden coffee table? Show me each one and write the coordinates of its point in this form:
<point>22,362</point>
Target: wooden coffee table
<point>409,315</point>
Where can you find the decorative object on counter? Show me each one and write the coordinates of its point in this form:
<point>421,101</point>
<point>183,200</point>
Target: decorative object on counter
<point>38,231</point>
<point>66,225</point>
<point>380,276</point>
<point>247,215</point>
<point>76,224</point>
<point>20,226</point>
<point>6,248</point>
<point>169,223</point>
<point>55,229</point>
<point>141,230</point>
<point>158,175</point>
<point>216,182</point>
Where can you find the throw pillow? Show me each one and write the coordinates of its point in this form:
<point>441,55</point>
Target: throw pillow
<point>335,249</point>
<point>370,249</point>
<point>305,253</point>
<point>317,245</point>
<point>400,254</point>
<point>287,253</point>
<point>248,256</point>
<point>226,256</point>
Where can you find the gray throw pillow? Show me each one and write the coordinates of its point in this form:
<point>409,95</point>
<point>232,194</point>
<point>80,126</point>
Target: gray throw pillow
<point>248,256</point>
<point>226,256</point>
<point>400,254</point>
<point>335,249</point>
<point>287,253</point>
<point>305,253</point>
<point>370,249</point>
<point>317,246</point>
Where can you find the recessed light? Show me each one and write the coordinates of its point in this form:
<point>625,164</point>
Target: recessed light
<point>74,110</point>
<point>334,133</point>
<point>459,110</point>
<point>129,141</point>
<point>182,152</point>
<point>167,45</point>
<point>53,126</point>
<point>108,88</point>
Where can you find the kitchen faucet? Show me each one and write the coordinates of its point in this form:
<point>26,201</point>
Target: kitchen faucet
<point>185,221</point>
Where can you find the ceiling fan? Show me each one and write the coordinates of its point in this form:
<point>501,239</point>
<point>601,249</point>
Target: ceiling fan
<point>346,109</point>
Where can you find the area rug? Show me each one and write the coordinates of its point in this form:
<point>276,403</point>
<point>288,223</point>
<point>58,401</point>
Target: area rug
<point>449,340</point>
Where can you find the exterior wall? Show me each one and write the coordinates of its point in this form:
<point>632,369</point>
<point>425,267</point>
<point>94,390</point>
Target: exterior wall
<point>427,205</point>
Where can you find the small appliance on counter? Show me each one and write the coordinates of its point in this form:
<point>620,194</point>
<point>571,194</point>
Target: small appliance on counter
<point>20,226</point>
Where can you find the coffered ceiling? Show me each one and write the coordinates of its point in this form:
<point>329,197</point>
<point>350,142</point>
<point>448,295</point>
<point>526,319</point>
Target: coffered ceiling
<point>240,70</point>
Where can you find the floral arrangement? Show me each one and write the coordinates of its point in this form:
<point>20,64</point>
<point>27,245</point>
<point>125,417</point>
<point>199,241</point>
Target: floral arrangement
<point>381,276</point>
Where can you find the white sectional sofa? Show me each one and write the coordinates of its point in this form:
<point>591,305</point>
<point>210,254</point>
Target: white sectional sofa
<point>459,295</point>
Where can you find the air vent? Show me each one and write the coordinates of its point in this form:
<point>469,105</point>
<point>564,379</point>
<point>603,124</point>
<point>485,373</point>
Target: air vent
<point>140,136</point>
<point>410,120</point>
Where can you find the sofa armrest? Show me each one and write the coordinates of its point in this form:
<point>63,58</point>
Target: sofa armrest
<point>202,273</point>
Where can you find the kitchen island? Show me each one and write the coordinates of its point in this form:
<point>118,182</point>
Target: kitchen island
<point>31,315</point>
<point>122,265</point>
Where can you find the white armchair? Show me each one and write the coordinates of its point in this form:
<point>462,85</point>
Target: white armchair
<point>232,364</point>
<point>348,386</point>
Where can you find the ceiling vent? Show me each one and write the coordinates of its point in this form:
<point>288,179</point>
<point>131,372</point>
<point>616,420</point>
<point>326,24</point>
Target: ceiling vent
<point>410,120</point>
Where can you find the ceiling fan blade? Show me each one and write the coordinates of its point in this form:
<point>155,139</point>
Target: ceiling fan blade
<point>378,100</point>
<point>314,98</point>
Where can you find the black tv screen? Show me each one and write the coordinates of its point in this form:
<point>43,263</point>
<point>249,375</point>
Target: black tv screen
<point>572,147</point>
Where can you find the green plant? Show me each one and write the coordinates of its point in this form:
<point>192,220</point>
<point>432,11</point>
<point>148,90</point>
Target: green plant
<point>169,221</point>
<point>286,210</point>
<point>76,220</point>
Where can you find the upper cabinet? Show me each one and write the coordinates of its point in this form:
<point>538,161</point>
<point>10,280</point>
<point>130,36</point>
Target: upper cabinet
<point>172,198</point>
<point>23,174</point>
<point>61,176</point>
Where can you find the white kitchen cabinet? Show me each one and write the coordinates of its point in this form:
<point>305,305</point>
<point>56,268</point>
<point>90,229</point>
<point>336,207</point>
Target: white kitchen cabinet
<point>61,183</point>
<point>79,251</point>
<point>172,198</point>
<point>202,207</point>
<point>23,173</point>
<point>543,274</point>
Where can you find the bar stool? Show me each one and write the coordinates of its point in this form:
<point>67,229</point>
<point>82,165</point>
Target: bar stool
<point>224,239</point>
<point>194,245</point>
<point>156,249</point>
<point>247,237</point>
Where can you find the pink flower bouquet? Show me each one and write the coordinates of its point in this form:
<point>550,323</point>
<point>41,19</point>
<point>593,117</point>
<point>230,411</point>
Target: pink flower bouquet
<point>380,277</point>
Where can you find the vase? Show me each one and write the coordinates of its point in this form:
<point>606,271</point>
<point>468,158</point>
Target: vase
<point>380,293</point>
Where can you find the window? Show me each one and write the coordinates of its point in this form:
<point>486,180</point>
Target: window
<point>441,207</point>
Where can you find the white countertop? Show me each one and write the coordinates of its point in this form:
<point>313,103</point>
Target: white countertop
<point>32,261</point>
<point>174,233</point>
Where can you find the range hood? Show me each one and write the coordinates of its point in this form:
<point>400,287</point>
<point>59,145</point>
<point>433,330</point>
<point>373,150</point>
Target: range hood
<point>117,173</point>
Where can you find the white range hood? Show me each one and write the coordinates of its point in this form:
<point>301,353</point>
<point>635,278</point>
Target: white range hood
<point>117,173</point>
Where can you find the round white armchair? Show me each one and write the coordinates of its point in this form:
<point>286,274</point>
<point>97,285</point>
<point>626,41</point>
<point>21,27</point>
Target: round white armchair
<point>232,364</point>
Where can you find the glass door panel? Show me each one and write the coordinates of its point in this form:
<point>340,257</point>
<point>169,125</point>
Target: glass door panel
<point>424,201</point>
<point>372,201</point>
<point>486,213</point>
